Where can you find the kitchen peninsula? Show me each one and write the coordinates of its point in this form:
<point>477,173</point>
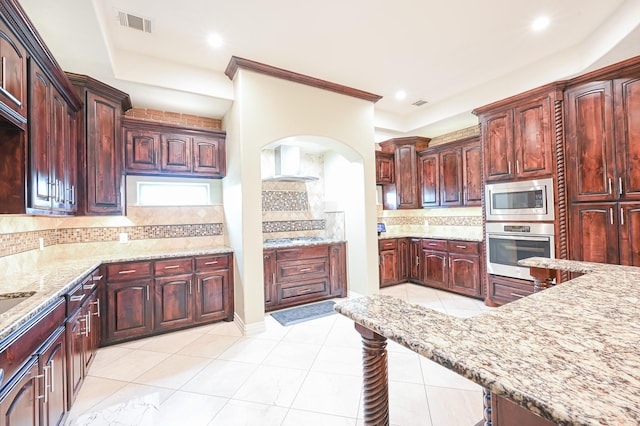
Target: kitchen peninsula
<point>570,354</point>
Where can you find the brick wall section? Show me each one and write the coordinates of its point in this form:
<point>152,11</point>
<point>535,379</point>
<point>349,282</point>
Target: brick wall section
<point>454,136</point>
<point>175,118</point>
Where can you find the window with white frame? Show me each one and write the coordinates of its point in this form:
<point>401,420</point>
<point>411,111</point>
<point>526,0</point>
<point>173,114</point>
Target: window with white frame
<point>144,191</point>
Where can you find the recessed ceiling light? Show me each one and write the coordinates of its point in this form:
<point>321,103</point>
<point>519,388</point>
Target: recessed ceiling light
<point>216,41</point>
<point>401,95</point>
<point>540,23</point>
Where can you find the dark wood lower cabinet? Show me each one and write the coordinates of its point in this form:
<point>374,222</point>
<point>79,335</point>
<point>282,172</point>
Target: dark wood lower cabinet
<point>167,294</point>
<point>52,368</point>
<point>501,290</point>
<point>435,271</point>
<point>304,274</point>
<point>18,403</point>
<point>507,413</point>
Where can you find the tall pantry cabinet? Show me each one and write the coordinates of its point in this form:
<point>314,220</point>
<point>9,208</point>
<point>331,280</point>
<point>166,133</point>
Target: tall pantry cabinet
<point>602,114</point>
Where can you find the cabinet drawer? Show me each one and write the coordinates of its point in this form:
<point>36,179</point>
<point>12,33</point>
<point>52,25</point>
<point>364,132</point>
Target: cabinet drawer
<point>303,269</point>
<point>300,290</point>
<point>389,244</point>
<point>440,245</point>
<point>508,290</point>
<point>466,247</point>
<point>212,262</point>
<point>173,266</point>
<point>297,253</point>
<point>128,271</point>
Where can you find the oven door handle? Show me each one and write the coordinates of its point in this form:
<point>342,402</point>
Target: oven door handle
<point>516,237</point>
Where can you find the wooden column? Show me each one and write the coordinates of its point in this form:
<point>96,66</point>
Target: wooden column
<point>541,278</point>
<point>375,378</point>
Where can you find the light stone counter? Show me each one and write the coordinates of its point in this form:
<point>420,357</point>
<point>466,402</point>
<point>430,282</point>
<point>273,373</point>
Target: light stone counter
<point>570,353</point>
<point>460,235</point>
<point>55,278</point>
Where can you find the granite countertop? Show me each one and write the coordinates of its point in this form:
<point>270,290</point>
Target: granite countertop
<point>298,242</point>
<point>52,280</point>
<point>437,236</point>
<point>570,353</point>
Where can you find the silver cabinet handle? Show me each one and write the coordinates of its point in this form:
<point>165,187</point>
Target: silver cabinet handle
<point>76,298</point>
<point>432,244</point>
<point>609,185</point>
<point>147,292</point>
<point>621,215</point>
<point>518,166</point>
<point>96,277</point>
<point>463,247</point>
<point>274,278</point>
<point>215,262</point>
<point>305,270</point>
<point>620,186</point>
<point>509,167</point>
<point>52,377</point>
<point>45,377</point>
<point>611,214</point>
<point>306,290</point>
<point>88,324</point>
<point>417,260</point>
<point>189,287</point>
<point>89,287</point>
<point>517,295</point>
<point>172,267</point>
<point>97,303</point>
<point>4,72</point>
<point>388,244</point>
<point>130,271</point>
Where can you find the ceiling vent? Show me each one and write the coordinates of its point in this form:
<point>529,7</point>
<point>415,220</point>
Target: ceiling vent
<point>135,22</point>
<point>419,102</point>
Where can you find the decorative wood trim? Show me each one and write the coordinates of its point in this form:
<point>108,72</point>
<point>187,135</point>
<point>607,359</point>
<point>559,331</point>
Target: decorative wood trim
<point>389,146</point>
<point>561,196</point>
<point>512,101</point>
<point>375,377</point>
<point>101,89</point>
<point>235,63</point>
<point>155,126</point>
<point>628,67</point>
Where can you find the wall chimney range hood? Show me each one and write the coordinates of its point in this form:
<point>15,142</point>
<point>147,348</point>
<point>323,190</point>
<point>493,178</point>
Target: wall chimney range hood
<point>287,162</point>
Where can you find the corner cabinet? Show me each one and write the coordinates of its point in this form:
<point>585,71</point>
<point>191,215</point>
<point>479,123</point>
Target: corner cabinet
<point>303,274</point>
<point>518,135</point>
<point>164,149</point>
<point>100,146</point>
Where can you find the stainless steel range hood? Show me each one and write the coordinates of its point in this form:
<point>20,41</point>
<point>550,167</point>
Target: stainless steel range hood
<point>287,162</point>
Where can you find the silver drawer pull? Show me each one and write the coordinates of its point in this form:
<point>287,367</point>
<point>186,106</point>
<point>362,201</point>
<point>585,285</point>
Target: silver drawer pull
<point>461,246</point>
<point>388,244</point>
<point>307,290</point>
<point>433,244</point>
<point>96,278</point>
<point>89,287</point>
<point>130,271</point>
<point>305,270</point>
<point>76,298</point>
<point>172,267</point>
<point>215,262</point>
<point>518,295</point>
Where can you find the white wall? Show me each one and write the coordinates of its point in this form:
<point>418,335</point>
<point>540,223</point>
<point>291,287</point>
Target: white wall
<point>268,109</point>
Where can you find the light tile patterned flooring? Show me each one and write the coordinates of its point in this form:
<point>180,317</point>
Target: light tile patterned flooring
<point>306,374</point>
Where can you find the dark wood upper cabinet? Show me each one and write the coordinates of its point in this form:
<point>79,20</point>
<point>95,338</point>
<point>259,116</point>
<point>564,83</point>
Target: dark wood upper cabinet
<point>518,135</point>
<point>404,192</point>
<point>13,77</point>
<point>429,170</point>
<point>451,177</point>
<point>385,173</point>
<point>627,135</point>
<point>166,149</point>
<point>472,174</point>
<point>100,189</point>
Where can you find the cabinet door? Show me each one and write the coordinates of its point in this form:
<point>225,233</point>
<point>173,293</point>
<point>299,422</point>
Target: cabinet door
<point>388,267</point>
<point>142,151</point>
<point>590,144</point>
<point>175,153</point>
<point>213,296</point>
<point>384,168</point>
<point>20,406</point>
<point>502,290</point>
<point>472,175</point>
<point>269,276</point>
<point>415,253</point>
<point>464,274</point>
<point>75,329</point>
<point>403,260</point>
<point>173,301</point>
<point>52,368</point>
<point>71,169</point>
<point>434,267</point>
<point>208,156</point>
<point>629,234</point>
<point>429,169</point>
<point>532,139</point>
<point>91,342</point>
<point>451,178</point>
<point>41,182</point>
<point>104,164</point>
<point>406,177</point>
<point>13,73</point>
<point>497,145</point>
<point>60,148</point>
<point>129,305</point>
<point>594,232</point>
<point>337,270</point>
<point>627,128</point>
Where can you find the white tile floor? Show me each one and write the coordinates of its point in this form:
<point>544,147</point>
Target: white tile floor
<point>307,374</point>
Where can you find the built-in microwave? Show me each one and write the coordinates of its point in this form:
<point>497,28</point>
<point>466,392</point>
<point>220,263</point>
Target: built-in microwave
<point>530,200</point>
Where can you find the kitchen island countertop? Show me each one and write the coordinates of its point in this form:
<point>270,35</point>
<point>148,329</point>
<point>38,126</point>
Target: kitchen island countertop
<point>53,279</point>
<point>570,354</point>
